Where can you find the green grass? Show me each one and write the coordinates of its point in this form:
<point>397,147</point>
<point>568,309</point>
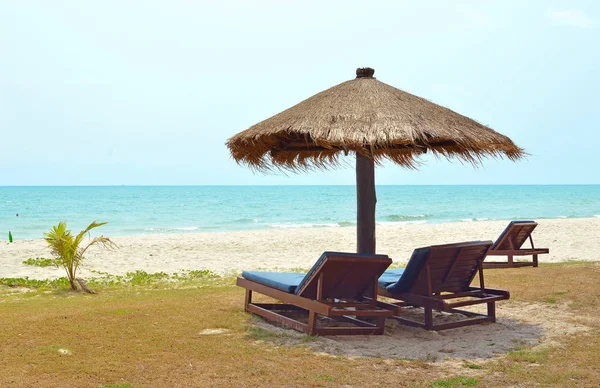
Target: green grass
<point>570,262</point>
<point>456,382</point>
<point>142,277</point>
<point>532,356</point>
<point>120,312</point>
<point>323,378</point>
<point>431,358</point>
<point>62,282</point>
<point>194,274</point>
<point>136,278</point>
<point>472,366</point>
<point>40,262</point>
<point>396,265</point>
<point>259,334</point>
<point>553,299</point>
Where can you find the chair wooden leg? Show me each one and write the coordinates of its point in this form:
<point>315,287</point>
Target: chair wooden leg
<point>510,260</point>
<point>428,318</point>
<point>380,325</point>
<point>491,309</point>
<point>248,299</point>
<point>535,260</point>
<point>312,323</point>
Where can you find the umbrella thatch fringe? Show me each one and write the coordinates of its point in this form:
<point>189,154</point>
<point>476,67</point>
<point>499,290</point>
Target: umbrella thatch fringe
<point>369,117</point>
<point>298,161</point>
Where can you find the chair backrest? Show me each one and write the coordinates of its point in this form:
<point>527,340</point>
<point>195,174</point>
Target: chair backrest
<point>344,275</point>
<point>514,235</point>
<point>441,268</point>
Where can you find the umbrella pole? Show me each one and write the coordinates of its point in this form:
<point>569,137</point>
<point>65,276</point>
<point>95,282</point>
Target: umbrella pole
<point>365,204</point>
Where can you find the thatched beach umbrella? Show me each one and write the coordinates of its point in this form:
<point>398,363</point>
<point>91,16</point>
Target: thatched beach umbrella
<point>376,122</point>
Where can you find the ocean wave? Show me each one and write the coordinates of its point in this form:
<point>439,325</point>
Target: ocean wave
<point>557,217</point>
<point>156,229</point>
<point>597,215</point>
<point>419,222</point>
<point>407,217</point>
<point>474,219</point>
<point>246,221</point>
<point>166,230</point>
<point>304,225</point>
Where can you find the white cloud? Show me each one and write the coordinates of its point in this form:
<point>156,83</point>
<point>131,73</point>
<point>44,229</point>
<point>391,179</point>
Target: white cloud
<point>571,18</point>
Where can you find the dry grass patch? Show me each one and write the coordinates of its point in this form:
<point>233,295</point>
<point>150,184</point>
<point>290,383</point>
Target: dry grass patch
<point>200,336</point>
<point>574,284</point>
<point>154,338</point>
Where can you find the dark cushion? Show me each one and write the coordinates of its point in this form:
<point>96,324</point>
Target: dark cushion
<point>284,281</point>
<point>411,272</point>
<point>505,231</point>
<point>322,258</point>
<point>390,276</point>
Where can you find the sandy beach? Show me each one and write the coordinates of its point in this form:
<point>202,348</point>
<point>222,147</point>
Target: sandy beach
<point>231,252</point>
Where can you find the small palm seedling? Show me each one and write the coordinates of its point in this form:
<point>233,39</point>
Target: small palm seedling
<point>67,248</point>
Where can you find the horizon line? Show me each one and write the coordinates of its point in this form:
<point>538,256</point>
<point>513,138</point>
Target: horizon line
<point>305,185</point>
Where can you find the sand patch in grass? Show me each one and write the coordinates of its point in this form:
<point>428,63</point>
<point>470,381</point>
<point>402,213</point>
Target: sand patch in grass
<point>518,324</point>
<point>213,331</point>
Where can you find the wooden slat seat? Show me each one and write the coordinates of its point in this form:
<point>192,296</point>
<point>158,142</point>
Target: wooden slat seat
<point>340,286</point>
<point>510,243</point>
<point>439,278</point>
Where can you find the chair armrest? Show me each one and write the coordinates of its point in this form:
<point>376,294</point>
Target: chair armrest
<point>518,252</point>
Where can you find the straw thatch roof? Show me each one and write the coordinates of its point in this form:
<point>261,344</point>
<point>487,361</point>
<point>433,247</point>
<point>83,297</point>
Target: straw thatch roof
<point>369,117</point>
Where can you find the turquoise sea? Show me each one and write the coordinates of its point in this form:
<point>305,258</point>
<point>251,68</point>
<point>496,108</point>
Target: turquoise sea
<point>134,210</point>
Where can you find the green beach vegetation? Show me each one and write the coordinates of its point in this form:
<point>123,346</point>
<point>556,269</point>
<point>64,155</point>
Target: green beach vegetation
<point>68,251</point>
<point>105,281</point>
<point>39,262</point>
<point>190,329</point>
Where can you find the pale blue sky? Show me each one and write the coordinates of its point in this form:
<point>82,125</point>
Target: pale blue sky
<point>147,92</point>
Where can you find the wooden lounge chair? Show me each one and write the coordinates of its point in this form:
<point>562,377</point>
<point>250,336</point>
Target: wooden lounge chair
<point>510,244</point>
<point>340,286</point>
<point>438,278</point>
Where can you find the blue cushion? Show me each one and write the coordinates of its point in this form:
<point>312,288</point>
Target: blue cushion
<point>506,231</point>
<point>284,281</point>
<point>390,276</point>
<point>322,258</point>
<point>411,272</point>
